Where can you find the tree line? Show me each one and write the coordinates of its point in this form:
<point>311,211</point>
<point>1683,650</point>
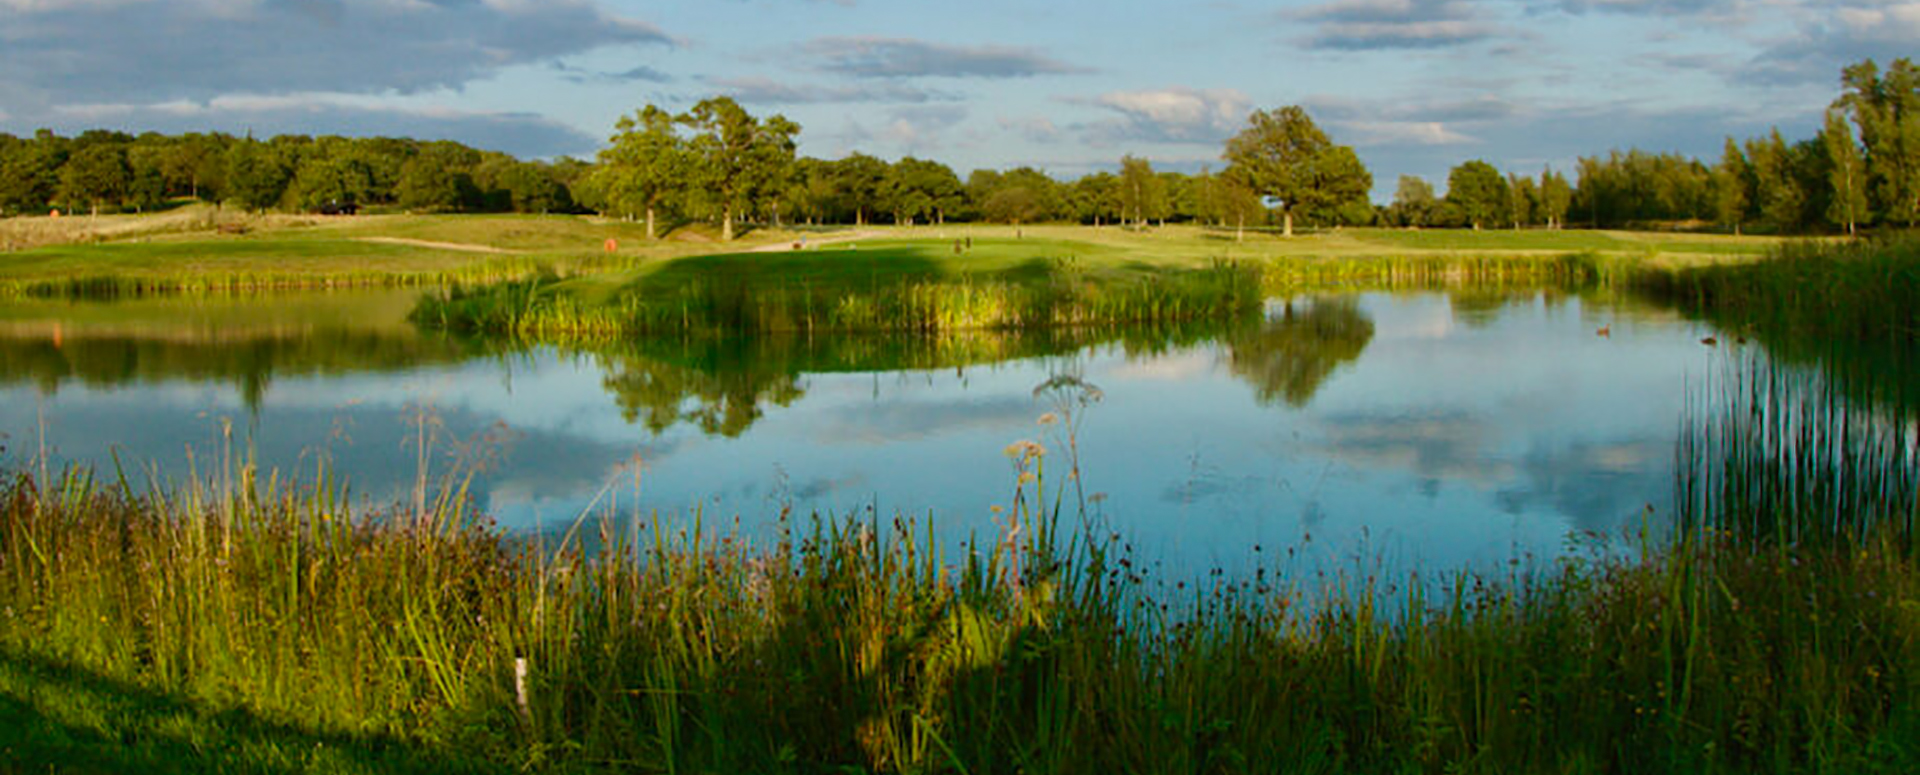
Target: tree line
<point>719,164</point>
<point>115,171</point>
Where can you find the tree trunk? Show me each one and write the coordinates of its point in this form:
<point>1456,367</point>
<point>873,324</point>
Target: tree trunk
<point>1287,216</point>
<point>726,224</point>
<point>650,234</point>
<point>859,216</point>
<point>1240,230</point>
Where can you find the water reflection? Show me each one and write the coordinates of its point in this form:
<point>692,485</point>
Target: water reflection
<point>1454,431</point>
<point>1292,354</point>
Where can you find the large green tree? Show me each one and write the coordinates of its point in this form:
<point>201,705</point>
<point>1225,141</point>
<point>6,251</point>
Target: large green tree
<point>922,189</point>
<point>644,167</point>
<point>1282,154</point>
<point>1478,190</point>
<point>860,183</point>
<point>737,159</point>
<point>95,174</point>
<point>1886,109</point>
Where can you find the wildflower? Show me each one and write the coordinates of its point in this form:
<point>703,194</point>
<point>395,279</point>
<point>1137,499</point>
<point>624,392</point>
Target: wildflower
<point>1048,419</point>
<point>1024,449</point>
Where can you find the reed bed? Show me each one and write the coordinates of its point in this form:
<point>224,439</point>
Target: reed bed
<point>1288,276</point>
<point>502,269</point>
<point>722,305</point>
<point>862,644</point>
<point>1856,290</point>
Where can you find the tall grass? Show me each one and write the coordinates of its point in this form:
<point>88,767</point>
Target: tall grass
<point>265,278</point>
<point>722,305</point>
<point>1865,290</point>
<point>1775,453</point>
<point>862,644</point>
<point>1288,276</point>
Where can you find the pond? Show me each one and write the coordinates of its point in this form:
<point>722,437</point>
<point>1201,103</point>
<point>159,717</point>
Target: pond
<point>1430,429</point>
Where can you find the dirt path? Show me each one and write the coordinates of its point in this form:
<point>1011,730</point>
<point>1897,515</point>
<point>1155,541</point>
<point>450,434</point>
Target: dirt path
<point>421,243</point>
<point>780,247</point>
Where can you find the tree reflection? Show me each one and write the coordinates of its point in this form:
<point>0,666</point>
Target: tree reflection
<point>1290,355</point>
<point>720,389</point>
<point>251,361</point>
<point>723,385</point>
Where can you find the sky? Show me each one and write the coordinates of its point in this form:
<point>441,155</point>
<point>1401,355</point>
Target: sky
<point>1068,86</point>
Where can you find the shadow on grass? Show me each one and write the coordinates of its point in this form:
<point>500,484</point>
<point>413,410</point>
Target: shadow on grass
<point>59,718</point>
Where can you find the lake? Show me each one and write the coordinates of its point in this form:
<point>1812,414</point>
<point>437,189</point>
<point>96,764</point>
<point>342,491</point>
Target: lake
<point>1430,430</point>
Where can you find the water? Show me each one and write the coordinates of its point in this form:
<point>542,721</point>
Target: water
<point>1430,430</point>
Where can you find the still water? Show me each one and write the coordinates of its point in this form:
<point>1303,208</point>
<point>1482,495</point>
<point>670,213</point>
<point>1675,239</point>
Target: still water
<point>1425,429</point>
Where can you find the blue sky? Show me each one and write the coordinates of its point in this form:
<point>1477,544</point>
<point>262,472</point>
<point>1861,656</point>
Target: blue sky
<point>1415,85</point>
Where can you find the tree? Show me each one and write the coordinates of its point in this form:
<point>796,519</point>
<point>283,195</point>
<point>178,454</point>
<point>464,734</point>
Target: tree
<point>1847,173</point>
<point>1138,190</point>
<point>1775,189</point>
<point>1732,182</point>
<point>644,167</point>
<point>1095,198</point>
<point>1478,190</point>
<point>1020,195</point>
<point>1886,109</point>
<point>331,178</point>
<point>861,183</point>
<point>918,188</point>
<point>30,173</point>
<point>95,174</point>
<point>1282,154</point>
<point>429,184</point>
<point>737,159</point>
<point>1413,202</point>
<point>1521,199</point>
<point>1338,183</point>
<point>1236,201</point>
<point>1556,198</point>
<point>256,178</point>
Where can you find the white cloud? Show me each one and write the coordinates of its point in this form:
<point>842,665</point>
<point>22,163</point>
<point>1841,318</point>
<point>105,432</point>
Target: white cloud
<point>1375,133</point>
<point>1177,114</point>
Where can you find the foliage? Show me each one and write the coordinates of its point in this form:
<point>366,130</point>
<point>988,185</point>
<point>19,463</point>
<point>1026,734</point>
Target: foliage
<point>1479,192</point>
<point>1284,155</point>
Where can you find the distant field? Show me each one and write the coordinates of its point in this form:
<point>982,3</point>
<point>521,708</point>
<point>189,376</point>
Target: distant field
<point>201,247</point>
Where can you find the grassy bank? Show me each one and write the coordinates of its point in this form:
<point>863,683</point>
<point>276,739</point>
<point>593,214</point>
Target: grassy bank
<point>261,626</point>
<point>931,286</point>
<point>201,250</point>
<point>924,286</point>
